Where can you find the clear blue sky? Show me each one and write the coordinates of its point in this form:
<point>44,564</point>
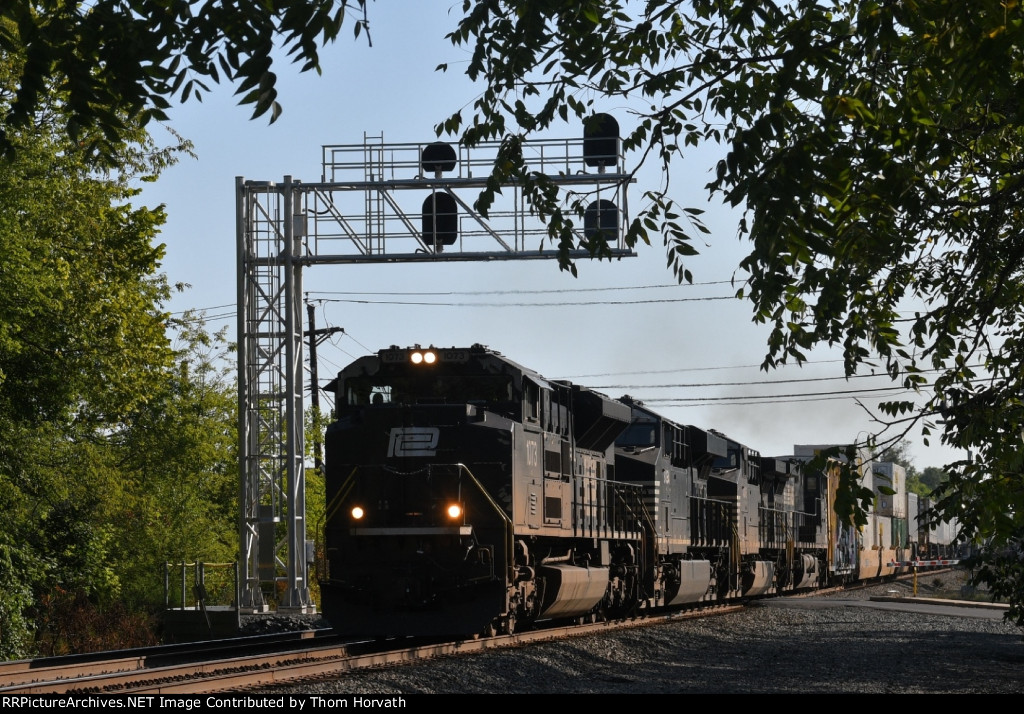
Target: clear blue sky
<point>622,327</point>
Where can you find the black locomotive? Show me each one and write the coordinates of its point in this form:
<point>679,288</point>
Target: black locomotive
<point>469,495</point>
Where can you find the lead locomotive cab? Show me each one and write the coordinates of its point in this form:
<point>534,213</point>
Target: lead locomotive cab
<point>467,494</point>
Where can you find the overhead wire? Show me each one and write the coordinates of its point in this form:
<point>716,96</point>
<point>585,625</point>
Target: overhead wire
<point>451,293</point>
<point>532,291</point>
<point>201,315</point>
<point>702,385</point>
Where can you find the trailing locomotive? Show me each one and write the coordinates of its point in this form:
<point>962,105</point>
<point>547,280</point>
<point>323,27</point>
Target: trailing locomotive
<point>470,495</point>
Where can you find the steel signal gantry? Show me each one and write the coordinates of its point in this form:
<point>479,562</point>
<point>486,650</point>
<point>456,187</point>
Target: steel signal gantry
<point>375,203</point>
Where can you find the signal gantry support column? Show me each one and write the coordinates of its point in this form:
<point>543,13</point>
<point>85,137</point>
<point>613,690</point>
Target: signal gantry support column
<point>270,407</point>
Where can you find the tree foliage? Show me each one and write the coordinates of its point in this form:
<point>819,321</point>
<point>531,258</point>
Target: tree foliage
<point>179,455</point>
<point>874,150</point>
<point>114,59</point>
<point>116,446</point>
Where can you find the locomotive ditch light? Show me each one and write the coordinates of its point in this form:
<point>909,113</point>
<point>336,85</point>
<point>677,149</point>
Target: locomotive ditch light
<point>454,511</point>
<point>357,513</point>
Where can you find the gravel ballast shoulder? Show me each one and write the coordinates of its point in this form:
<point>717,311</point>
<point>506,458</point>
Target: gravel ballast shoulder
<point>766,648</point>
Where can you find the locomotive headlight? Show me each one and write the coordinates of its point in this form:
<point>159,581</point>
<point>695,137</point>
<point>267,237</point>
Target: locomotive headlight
<point>454,511</point>
<point>424,357</point>
<point>357,513</point>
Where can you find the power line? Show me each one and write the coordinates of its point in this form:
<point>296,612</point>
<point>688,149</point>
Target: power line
<point>751,401</point>
<point>691,369</point>
<point>457,293</point>
<point>204,309</point>
<point>201,316</point>
<point>702,385</point>
<point>781,396</point>
<point>580,303</point>
<point>452,293</point>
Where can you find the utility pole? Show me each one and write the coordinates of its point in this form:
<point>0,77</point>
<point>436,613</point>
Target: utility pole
<point>316,337</point>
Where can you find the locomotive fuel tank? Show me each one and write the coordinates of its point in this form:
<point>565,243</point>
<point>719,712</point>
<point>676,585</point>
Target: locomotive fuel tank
<point>572,590</point>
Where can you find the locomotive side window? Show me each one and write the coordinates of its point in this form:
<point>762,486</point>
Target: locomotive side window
<point>531,399</point>
<point>675,445</point>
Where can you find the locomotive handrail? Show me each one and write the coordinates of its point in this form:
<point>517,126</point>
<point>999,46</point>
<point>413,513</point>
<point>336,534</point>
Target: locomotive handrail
<point>349,483</point>
<point>329,511</point>
<point>644,514</point>
<point>460,467</point>
<point>509,530</point>
<point>346,488</point>
<point>643,522</point>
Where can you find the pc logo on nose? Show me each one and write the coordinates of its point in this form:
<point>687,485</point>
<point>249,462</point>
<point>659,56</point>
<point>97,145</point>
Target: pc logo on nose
<point>414,441</point>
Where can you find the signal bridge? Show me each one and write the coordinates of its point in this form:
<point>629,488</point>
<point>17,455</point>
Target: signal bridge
<point>374,203</point>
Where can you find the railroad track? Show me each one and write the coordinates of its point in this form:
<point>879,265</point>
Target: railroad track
<point>50,673</point>
<point>139,675</point>
<point>248,663</point>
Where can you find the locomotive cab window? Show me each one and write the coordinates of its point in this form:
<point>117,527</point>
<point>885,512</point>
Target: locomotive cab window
<point>729,462</point>
<point>378,395</point>
<point>639,433</point>
<point>427,389</point>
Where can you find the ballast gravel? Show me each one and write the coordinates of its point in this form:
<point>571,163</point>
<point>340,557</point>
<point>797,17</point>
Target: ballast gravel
<point>825,644</point>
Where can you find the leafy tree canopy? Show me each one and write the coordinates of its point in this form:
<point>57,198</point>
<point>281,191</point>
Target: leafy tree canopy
<point>81,335</point>
<point>88,381</point>
<point>875,150</point>
<point>128,58</point>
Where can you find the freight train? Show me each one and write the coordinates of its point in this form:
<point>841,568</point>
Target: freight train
<point>468,495</point>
